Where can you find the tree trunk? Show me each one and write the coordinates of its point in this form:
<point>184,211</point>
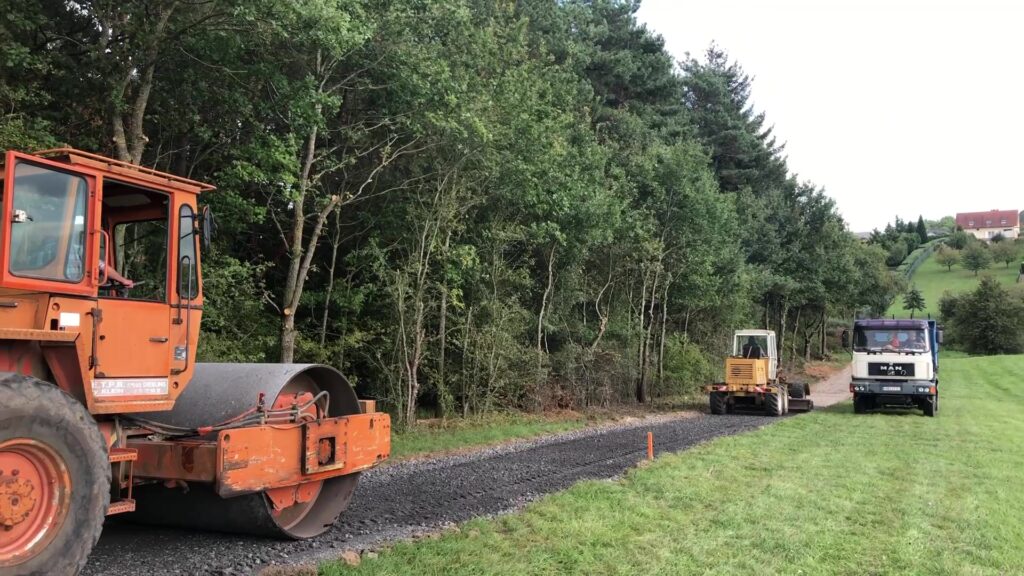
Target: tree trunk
<point>796,329</point>
<point>664,328</point>
<point>639,391</point>
<point>540,317</point>
<point>823,332</point>
<point>643,390</point>
<point>782,330</point>
<point>335,242</point>
<point>603,318</point>
<point>442,334</point>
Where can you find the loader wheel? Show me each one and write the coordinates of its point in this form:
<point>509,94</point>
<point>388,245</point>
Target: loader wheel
<point>719,403</point>
<point>773,404</point>
<point>54,479</point>
<point>798,390</point>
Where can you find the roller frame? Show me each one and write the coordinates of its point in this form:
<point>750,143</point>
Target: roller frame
<point>218,482</point>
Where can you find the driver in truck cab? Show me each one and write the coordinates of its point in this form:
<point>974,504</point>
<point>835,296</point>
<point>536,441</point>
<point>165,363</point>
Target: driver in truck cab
<point>894,342</point>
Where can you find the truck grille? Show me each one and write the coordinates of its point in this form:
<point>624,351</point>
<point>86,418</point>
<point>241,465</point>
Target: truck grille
<point>891,369</point>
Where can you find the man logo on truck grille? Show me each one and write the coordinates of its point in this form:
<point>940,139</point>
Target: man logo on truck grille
<point>892,369</point>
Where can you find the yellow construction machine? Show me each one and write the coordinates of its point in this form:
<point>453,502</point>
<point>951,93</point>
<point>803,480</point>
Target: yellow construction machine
<point>752,380</point>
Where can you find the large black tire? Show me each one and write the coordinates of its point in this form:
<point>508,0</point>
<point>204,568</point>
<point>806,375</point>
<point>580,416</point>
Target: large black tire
<point>773,404</point>
<point>929,406</point>
<point>862,403</point>
<point>719,403</point>
<point>39,411</point>
<point>798,390</point>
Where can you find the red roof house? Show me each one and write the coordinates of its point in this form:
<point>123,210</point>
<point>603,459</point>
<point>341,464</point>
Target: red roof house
<point>985,225</point>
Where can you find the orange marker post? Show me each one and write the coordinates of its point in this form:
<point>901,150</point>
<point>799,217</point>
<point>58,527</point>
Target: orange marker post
<point>650,445</point>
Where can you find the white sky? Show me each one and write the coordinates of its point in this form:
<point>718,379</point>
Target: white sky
<point>896,108</point>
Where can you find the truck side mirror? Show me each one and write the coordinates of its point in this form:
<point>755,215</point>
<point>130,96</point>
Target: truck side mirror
<point>938,336</point>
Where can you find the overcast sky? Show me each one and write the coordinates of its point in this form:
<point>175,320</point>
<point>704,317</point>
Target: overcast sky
<point>896,108</point>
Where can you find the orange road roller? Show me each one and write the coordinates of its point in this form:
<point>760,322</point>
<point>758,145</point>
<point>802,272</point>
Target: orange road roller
<point>103,409</point>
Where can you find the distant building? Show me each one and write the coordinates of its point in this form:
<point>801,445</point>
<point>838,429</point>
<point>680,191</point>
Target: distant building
<point>985,225</point>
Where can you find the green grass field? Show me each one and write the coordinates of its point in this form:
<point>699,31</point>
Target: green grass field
<point>824,493</point>
<point>481,431</point>
<point>933,280</point>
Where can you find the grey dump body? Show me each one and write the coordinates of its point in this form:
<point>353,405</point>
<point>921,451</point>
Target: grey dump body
<point>896,363</point>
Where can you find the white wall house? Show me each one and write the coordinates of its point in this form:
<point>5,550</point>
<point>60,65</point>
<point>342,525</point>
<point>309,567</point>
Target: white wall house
<point>985,225</point>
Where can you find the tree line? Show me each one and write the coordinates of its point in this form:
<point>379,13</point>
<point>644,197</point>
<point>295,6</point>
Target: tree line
<point>461,204</point>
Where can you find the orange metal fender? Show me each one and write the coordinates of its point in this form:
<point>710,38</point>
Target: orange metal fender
<point>259,458</point>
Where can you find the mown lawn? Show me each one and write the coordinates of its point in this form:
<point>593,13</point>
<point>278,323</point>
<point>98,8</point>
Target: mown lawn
<point>934,280</point>
<point>824,493</point>
<point>461,433</point>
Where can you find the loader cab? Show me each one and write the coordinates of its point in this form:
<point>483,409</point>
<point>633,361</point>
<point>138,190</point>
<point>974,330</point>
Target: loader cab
<point>69,222</point>
<point>757,345</point>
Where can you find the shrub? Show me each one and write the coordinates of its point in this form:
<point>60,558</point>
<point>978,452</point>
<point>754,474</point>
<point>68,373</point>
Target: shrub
<point>985,321</point>
<point>976,257</point>
<point>896,254</point>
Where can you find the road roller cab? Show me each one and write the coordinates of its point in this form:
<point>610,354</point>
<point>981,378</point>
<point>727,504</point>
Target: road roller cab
<point>108,368</point>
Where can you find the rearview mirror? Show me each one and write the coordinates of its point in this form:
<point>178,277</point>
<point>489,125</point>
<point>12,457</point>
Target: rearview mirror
<point>208,227</point>
<point>938,336</point>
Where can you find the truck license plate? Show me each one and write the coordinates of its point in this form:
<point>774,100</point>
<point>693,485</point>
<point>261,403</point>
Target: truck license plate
<point>891,388</point>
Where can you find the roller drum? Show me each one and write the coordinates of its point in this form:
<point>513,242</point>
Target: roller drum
<point>219,392</point>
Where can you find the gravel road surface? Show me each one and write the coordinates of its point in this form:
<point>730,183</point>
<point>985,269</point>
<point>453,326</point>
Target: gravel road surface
<point>406,499</point>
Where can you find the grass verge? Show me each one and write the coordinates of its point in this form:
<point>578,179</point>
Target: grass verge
<point>825,493</point>
<point>933,280</point>
<point>456,434</point>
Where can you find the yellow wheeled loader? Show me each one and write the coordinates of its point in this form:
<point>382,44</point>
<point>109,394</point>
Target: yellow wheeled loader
<point>752,380</point>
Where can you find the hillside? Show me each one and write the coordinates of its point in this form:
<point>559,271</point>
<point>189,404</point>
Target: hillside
<point>934,280</point>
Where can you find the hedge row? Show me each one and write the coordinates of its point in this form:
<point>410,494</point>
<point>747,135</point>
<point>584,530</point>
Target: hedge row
<point>919,255</point>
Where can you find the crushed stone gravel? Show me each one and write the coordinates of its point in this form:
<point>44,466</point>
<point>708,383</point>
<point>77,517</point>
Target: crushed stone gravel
<point>415,498</point>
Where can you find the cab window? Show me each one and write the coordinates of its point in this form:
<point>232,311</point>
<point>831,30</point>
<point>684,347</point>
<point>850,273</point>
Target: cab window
<point>47,223</point>
<point>188,280</point>
<point>137,222</point>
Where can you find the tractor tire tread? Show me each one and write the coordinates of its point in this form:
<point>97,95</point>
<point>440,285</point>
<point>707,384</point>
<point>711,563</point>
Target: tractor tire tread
<point>30,404</point>
<point>773,404</point>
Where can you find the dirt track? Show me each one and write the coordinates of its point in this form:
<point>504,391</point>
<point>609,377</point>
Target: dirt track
<point>411,498</point>
<point>833,389</point>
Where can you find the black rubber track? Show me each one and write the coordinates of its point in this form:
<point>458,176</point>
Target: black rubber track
<point>399,501</point>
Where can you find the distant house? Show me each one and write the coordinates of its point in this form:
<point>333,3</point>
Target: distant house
<point>985,225</point>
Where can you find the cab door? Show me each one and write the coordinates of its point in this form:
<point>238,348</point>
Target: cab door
<point>133,343</point>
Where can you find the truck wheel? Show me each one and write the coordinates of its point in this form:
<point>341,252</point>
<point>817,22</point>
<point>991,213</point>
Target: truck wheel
<point>54,479</point>
<point>861,403</point>
<point>773,404</point>
<point>929,405</point>
<point>719,403</point>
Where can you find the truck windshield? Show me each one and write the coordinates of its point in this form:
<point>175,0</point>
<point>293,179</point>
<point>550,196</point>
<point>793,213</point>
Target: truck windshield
<point>887,340</point>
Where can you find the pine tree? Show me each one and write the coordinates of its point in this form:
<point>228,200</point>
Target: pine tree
<point>922,231</point>
<point>913,300</point>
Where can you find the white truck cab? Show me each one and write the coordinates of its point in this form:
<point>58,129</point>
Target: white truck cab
<point>895,363</point>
